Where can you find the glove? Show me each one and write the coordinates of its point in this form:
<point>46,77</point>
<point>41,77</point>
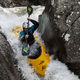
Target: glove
<point>25,49</point>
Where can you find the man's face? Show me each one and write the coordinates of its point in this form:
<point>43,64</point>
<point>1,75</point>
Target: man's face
<point>25,30</point>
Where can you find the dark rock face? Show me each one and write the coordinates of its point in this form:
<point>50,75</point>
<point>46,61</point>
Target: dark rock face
<point>62,17</point>
<point>39,2</point>
<point>50,33</point>
<point>20,2</point>
<point>7,69</point>
<point>13,3</point>
<point>6,3</point>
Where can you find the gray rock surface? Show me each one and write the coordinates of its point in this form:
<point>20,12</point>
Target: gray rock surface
<point>8,69</point>
<point>6,3</point>
<point>56,20</point>
<point>13,3</point>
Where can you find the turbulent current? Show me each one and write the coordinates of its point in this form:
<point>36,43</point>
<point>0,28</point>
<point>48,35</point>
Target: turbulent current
<point>10,17</point>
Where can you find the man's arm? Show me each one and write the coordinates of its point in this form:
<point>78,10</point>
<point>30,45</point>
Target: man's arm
<point>36,24</point>
<point>22,36</point>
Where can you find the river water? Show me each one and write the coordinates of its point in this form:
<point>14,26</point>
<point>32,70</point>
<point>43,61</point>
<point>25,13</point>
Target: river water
<point>10,17</point>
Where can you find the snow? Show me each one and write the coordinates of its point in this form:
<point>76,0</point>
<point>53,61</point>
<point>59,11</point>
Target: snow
<point>55,71</point>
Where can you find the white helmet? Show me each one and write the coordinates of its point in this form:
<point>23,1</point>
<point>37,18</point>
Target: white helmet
<point>24,25</point>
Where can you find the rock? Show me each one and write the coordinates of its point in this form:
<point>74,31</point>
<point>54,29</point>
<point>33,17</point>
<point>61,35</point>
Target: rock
<point>52,28</point>
<point>6,3</point>
<point>20,2</point>
<point>51,36</point>
<point>13,3</point>
<point>8,71</point>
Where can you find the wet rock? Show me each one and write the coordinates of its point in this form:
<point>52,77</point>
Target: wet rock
<point>51,36</point>
<point>6,3</point>
<point>14,3</point>
<point>61,18</point>
<point>8,69</point>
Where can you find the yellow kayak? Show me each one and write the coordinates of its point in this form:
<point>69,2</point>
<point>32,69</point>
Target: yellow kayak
<point>39,64</point>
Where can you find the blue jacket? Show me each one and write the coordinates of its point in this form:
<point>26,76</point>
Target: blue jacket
<point>31,30</point>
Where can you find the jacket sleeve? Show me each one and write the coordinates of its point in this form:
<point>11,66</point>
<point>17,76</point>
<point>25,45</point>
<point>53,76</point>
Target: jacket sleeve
<point>22,36</point>
<point>36,24</point>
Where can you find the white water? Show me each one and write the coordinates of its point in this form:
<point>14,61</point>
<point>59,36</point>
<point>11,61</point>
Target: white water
<point>55,71</point>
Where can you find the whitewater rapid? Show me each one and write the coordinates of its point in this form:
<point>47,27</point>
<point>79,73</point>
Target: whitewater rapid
<point>55,71</point>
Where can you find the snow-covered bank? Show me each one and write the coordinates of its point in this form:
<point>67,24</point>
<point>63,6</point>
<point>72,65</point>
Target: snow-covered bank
<point>55,71</point>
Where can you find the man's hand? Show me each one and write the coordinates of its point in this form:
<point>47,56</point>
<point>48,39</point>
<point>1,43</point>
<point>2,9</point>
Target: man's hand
<point>26,36</point>
<point>28,19</point>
